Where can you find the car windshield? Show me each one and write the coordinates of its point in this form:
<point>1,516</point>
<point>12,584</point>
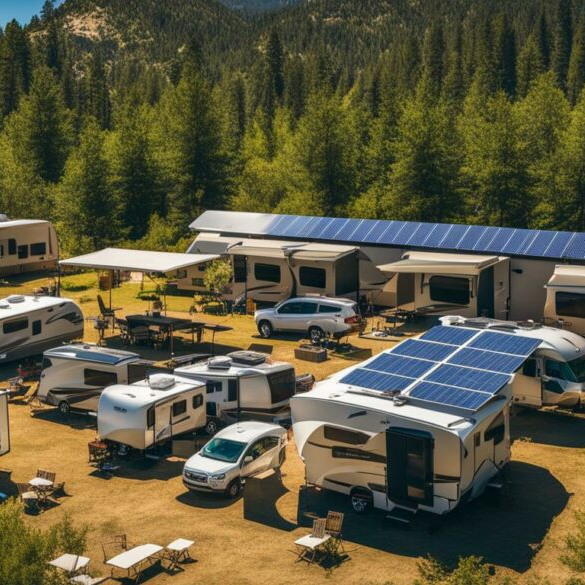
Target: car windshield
<point>578,368</point>
<point>223,450</point>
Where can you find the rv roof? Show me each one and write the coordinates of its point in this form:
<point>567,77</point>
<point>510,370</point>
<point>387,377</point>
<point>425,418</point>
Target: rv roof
<point>19,222</point>
<point>21,304</point>
<point>568,276</point>
<point>92,353</point>
<point>235,369</point>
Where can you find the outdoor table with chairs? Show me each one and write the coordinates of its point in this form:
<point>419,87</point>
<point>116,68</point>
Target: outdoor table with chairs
<point>324,539</point>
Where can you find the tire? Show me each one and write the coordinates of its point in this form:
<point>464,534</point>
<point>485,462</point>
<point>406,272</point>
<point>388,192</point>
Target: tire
<point>233,489</point>
<point>361,501</point>
<point>316,334</point>
<point>212,426</point>
<point>265,329</point>
<point>122,450</point>
<point>64,408</point>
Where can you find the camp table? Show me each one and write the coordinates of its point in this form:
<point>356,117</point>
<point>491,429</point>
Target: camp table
<point>133,560</point>
<point>41,486</point>
<point>166,324</point>
<point>69,563</point>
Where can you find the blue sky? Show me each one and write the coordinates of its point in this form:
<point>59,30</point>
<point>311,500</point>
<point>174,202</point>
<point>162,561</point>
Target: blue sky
<point>22,10</point>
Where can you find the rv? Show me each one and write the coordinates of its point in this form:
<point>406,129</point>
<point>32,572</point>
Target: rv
<point>565,299</point>
<point>244,386</point>
<point>147,413</point>
<point>74,376</point>
<point>422,426</point>
<point>554,375</point>
<point>4,424</point>
<point>27,245</point>
<point>31,325</point>
<point>270,271</point>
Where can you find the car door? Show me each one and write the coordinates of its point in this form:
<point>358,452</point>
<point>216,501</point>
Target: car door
<point>288,316</point>
<point>259,451</point>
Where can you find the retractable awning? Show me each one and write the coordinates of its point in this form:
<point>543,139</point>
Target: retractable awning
<point>567,276</point>
<point>426,262</point>
<point>300,250</point>
<point>137,260</point>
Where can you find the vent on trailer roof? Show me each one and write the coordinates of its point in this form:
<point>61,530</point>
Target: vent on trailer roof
<point>248,358</point>
<point>16,299</point>
<point>220,363</point>
<point>161,382</point>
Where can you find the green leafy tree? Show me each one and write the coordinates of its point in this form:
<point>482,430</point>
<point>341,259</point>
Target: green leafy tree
<point>218,275</point>
<point>562,41</point>
<point>576,72</point>
<point>98,103</point>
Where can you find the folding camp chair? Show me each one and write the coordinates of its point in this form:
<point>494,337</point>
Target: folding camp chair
<point>124,332</point>
<point>48,475</point>
<point>333,525</point>
<point>309,546</point>
<point>29,498</point>
<point>107,313</point>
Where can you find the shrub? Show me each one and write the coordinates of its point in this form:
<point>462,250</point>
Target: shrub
<point>218,275</point>
<point>469,571</point>
<point>574,557</point>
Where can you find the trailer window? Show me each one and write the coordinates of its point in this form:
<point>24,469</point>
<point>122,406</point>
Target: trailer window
<point>313,277</point>
<point>449,289</point>
<point>11,247</point>
<point>558,370</point>
<point>150,417</point>
<point>496,430</point>
<point>240,269</point>
<point>282,385</point>
<point>36,327</point>
<point>179,408</point>
<point>267,272</point>
<point>99,378</point>
<point>232,390</point>
<point>38,249</point>
<point>197,401</point>
<point>570,304</point>
<point>578,368</point>
<point>1,250</point>
<point>212,386</point>
<point>14,326</point>
<point>345,436</point>
<point>23,252</point>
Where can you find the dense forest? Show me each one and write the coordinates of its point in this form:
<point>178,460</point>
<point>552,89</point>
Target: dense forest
<point>121,120</point>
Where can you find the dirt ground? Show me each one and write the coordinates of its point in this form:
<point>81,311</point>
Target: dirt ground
<point>250,540</point>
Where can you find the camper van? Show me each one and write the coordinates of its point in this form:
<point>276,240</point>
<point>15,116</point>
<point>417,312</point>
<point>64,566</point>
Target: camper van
<point>244,386</point>
<point>74,376</point>
<point>565,299</point>
<point>27,245</point>
<point>150,412</point>
<point>554,375</point>
<point>4,424</point>
<point>31,325</point>
<point>422,426</point>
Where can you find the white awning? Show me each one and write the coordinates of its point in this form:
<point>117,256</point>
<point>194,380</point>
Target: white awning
<point>298,250</point>
<point>137,260</point>
<point>567,276</point>
<point>436,263</point>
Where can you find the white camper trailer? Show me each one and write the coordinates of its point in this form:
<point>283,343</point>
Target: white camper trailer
<point>4,424</point>
<point>423,426</point>
<point>554,375</point>
<point>565,298</point>
<point>74,376</point>
<point>270,271</point>
<point>150,412</point>
<point>244,386</point>
<point>27,245</point>
<point>31,325</point>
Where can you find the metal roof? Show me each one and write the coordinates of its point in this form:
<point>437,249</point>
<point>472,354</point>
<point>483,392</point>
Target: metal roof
<point>92,353</point>
<point>548,245</point>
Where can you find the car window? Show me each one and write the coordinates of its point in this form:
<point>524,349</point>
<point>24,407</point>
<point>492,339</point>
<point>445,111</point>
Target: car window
<point>559,370</point>
<point>257,449</point>
<point>308,308</point>
<point>329,309</point>
<point>293,308</point>
<point>271,443</point>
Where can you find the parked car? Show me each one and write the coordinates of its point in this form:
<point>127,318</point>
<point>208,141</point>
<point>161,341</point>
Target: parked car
<point>239,451</point>
<point>319,316</point>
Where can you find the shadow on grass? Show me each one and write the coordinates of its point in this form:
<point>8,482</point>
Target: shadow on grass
<point>208,501</point>
<point>558,428</point>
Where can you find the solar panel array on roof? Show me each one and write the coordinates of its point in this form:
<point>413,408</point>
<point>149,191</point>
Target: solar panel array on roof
<point>455,367</point>
<point>464,238</point>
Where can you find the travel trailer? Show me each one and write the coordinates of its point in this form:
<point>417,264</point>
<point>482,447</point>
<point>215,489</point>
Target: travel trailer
<point>565,298</point>
<point>74,376</point>
<point>31,325</point>
<point>439,284</point>
<point>4,424</point>
<point>554,375</point>
<point>270,271</point>
<point>244,386</point>
<point>422,426</point>
<point>27,245</point>
<point>150,412</point>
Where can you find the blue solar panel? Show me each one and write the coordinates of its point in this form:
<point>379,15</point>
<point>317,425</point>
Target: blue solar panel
<point>465,399</point>
<point>392,236</point>
<point>454,236</point>
<point>505,343</point>
<point>516,242</point>
<point>282,225</point>
<point>338,228</point>
<point>558,245</point>
<point>479,380</point>
<point>451,335</point>
<point>421,234</point>
<point>485,239</point>
<point>376,380</point>
<point>303,229</point>
<point>576,248</point>
<point>436,236</point>
<point>377,231</point>
<point>540,243</point>
<point>390,363</point>
<point>487,360</point>
<point>426,350</point>
<point>361,230</point>
<point>471,237</point>
<point>500,239</point>
<point>318,227</point>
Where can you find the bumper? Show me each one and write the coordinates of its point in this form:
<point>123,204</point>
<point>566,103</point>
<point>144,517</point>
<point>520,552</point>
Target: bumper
<point>211,487</point>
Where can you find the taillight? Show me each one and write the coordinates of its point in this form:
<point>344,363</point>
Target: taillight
<point>351,320</point>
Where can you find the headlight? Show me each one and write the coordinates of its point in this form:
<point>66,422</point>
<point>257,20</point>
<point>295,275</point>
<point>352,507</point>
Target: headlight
<point>218,477</point>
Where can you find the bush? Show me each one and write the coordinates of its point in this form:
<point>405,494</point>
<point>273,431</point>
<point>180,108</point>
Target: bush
<point>218,275</point>
<point>469,571</point>
<point>574,557</point>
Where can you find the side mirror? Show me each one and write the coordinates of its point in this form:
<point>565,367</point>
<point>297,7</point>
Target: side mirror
<point>248,459</point>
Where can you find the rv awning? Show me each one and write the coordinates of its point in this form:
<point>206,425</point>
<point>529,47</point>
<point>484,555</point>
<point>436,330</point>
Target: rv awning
<point>300,250</point>
<point>567,276</point>
<point>423,262</point>
<point>137,260</point>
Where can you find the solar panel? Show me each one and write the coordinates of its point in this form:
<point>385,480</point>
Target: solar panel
<point>485,239</point>
<point>469,378</point>
<point>305,228</point>
<point>316,229</point>
<point>391,363</point>
<point>540,243</point>
<point>421,234</point>
<point>346,229</point>
<point>376,380</point>
<point>576,248</point>
<point>392,236</point>
<point>435,352</point>
<point>505,343</point>
<point>362,230</point>
<point>333,229</point>
<point>500,239</point>
<point>377,231</point>
<point>454,236</point>
<point>487,360</point>
<point>436,236</point>
<point>471,237</point>
<point>556,248</point>
<point>516,242</point>
<point>447,395</point>
<point>451,335</point>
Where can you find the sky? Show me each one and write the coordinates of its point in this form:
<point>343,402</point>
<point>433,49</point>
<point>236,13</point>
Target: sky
<point>22,10</point>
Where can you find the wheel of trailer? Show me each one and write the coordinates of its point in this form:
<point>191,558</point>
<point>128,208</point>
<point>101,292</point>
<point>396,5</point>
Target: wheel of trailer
<point>316,334</point>
<point>64,408</point>
<point>212,426</point>
<point>265,329</point>
<point>122,450</point>
<point>233,490</point>
<point>361,501</point>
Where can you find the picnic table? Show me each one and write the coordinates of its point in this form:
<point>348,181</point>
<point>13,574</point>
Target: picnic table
<point>133,561</point>
<point>69,563</point>
<point>41,487</point>
<point>168,325</point>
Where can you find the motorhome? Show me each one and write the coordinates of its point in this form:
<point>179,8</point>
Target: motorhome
<point>565,298</point>
<point>554,375</point>
<point>244,386</point>
<point>4,424</point>
<point>74,376</point>
<point>270,271</point>
<point>147,413</point>
<point>422,426</point>
<point>30,325</point>
<point>27,245</point>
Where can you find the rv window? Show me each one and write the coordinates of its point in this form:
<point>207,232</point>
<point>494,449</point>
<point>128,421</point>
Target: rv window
<point>14,326</point>
<point>329,309</point>
<point>1,250</point>
<point>529,368</point>
<point>71,317</point>
<point>282,385</point>
<point>313,277</point>
<point>23,251</point>
<point>99,378</point>
<point>558,370</point>
<point>11,247</point>
<point>179,408</point>
<point>212,386</point>
<point>267,272</point>
<point>36,327</point>
<point>239,269</point>
<point>197,282</point>
<point>570,304</point>
<point>39,249</point>
<point>345,436</point>
<point>496,430</point>
<point>197,401</point>
<point>449,289</point>
<point>232,390</point>
<point>150,417</point>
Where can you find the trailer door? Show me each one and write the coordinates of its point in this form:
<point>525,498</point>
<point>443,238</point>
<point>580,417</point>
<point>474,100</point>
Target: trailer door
<point>409,466</point>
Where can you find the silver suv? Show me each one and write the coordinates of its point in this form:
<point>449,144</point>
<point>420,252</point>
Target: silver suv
<point>319,316</point>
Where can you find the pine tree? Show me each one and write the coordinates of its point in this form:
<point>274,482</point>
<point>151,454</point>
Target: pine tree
<point>562,41</point>
<point>576,72</point>
<point>530,65</point>
<point>98,99</point>
<point>542,38</point>
<point>454,84</point>
<point>432,63</point>
<point>504,46</point>
<point>295,91</point>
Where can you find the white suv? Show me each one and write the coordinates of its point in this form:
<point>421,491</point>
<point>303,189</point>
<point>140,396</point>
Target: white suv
<point>319,316</point>
<point>236,452</point>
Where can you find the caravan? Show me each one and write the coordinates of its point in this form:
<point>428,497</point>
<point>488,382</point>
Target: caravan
<point>565,299</point>
<point>31,325</point>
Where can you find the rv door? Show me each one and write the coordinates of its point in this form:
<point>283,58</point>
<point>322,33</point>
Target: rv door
<point>409,467</point>
<point>162,422</point>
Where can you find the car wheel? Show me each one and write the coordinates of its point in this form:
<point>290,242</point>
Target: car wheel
<point>265,329</point>
<point>212,426</point>
<point>233,490</point>
<point>64,408</point>
<point>361,501</point>
<point>316,334</point>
